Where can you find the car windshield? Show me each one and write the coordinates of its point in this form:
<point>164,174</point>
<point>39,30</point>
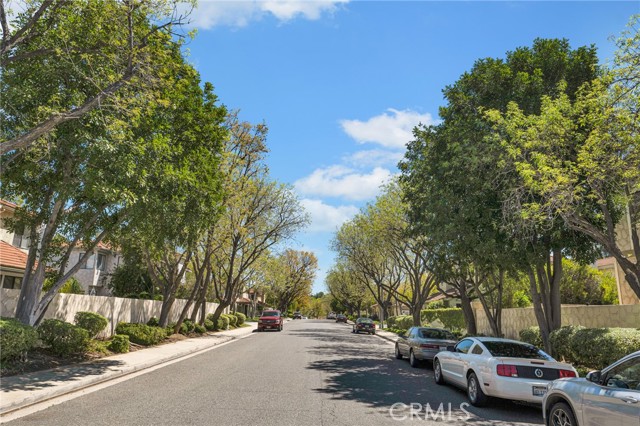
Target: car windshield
<point>365,320</point>
<point>430,333</point>
<point>515,350</point>
<point>270,314</point>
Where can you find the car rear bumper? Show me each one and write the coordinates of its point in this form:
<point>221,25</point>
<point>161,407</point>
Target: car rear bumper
<point>269,326</point>
<point>516,389</point>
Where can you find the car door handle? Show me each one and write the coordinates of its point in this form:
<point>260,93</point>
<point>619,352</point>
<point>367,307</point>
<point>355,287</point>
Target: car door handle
<point>629,399</point>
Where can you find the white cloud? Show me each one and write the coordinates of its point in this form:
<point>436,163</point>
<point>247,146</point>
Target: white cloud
<point>373,158</point>
<point>326,218</point>
<point>340,181</point>
<point>239,13</point>
<point>392,129</point>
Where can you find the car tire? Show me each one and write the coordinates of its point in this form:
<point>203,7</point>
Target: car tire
<point>437,373</point>
<point>398,353</point>
<point>561,415</point>
<point>474,392</point>
<point>413,361</point>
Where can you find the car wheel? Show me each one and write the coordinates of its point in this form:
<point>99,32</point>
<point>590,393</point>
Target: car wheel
<point>413,361</point>
<point>398,354</point>
<point>476,396</point>
<point>437,372</point>
<point>561,415</point>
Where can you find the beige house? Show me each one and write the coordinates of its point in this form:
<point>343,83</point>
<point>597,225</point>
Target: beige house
<point>250,303</point>
<point>14,246</point>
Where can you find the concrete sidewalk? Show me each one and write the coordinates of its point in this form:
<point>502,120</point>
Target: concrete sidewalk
<point>17,392</point>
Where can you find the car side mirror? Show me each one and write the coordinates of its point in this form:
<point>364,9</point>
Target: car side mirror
<point>594,377</point>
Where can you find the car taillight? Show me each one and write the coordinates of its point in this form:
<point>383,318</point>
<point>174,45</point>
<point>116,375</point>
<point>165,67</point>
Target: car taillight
<point>429,346</point>
<point>507,370</point>
<point>566,373</point>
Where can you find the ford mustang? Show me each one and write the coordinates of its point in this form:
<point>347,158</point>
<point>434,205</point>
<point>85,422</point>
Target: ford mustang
<point>492,367</point>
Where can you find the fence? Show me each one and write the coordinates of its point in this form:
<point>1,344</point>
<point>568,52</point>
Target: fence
<point>115,309</point>
<point>514,320</point>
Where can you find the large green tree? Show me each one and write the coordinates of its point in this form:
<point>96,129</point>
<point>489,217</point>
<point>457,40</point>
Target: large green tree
<point>63,59</point>
<point>458,176</point>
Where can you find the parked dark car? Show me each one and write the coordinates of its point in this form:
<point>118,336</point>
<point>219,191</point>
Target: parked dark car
<point>297,315</point>
<point>341,318</point>
<point>270,320</point>
<point>365,325</point>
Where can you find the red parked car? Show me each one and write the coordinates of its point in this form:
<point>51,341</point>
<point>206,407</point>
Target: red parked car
<point>270,320</point>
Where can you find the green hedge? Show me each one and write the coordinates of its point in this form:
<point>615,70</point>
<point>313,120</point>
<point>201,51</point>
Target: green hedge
<point>142,334</point>
<point>241,318</point>
<point>120,344</point>
<point>532,335</point>
<point>90,321</point>
<point>16,339</point>
<point>403,322</point>
<point>64,338</point>
<point>594,348</point>
<point>199,329</point>
<point>233,320</point>
<point>599,347</point>
<point>222,322</point>
<point>209,325</point>
<point>560,341</point>
<point>451,318</point>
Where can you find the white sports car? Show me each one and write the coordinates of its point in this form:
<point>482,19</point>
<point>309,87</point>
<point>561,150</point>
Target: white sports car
<point>493,367</point>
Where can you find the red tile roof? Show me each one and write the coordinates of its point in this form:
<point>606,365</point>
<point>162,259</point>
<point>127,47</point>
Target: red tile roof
<point>243,300</point>
<point>12,257</point>
<point>8,204</point>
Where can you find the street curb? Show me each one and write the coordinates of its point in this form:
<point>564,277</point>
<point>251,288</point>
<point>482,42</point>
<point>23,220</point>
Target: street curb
<point>112,375</point>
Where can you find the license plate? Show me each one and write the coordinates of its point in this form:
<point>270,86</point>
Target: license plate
<point>539,390</point>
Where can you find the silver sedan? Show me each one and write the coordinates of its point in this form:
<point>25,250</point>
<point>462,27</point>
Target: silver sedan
<point>610,397</point>
<point>423,343</point>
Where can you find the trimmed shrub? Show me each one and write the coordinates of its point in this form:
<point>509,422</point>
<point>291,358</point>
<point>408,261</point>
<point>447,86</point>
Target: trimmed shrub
<point>153,322</point>
<point>223,323</point>
<point>560,340</point>
<point>241,318</point>
<point>16,339</point>
<point>63,338</point>
<point>119,344</point>
<point>532,335</point>
<point>451,318</point>
<point>232,320</point>
<point>200,329</point>
<point>600,347</point>
<point>208,324</point>
<point>142,334</point>
<point>90,321</point>
<point>189,325</point>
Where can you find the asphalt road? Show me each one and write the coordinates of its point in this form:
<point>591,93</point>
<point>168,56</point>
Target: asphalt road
<point>315,372</point>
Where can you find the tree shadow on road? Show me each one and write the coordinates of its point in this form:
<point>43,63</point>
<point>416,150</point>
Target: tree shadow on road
<point>48,378</point>
<point>367,372</point>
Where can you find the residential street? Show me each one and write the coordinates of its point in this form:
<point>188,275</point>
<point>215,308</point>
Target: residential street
<point>315,372</point>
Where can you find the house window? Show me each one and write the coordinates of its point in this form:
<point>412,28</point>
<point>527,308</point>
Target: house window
<point>11,282</point>
<point>102,262</point>
<point>89,263</point>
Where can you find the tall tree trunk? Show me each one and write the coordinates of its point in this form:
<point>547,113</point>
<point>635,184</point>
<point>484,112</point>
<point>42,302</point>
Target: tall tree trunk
<point>544,282</point>
<point>467,312</point>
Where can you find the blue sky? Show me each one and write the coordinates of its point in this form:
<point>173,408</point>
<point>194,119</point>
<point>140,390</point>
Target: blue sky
<point>340,84</point>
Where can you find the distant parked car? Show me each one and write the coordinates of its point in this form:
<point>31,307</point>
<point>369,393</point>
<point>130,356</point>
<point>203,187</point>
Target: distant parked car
<point>365,325</point>
<point>341,318</point>
<point>604,398</point>
<point>492,367</point>
<point>423,343</point>
<point>270,320</point>
<point>297,315</point>
<point>332,315</point>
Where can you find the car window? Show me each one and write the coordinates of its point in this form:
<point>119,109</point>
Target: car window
<point>270,314</point>
<point>431,333</point>
<point>365,320</point>
<point>464,345</point>
<point>477,350</point>
<point>625,375</point>
<point>514,350</point>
